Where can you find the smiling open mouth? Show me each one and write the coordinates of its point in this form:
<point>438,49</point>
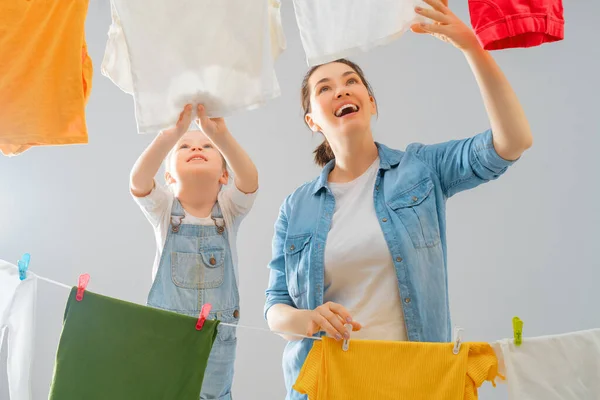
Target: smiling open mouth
<point>197,158</point>
<point>346,109</point>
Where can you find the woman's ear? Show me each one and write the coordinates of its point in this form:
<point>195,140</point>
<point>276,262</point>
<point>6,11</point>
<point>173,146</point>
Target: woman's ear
<point>373,105</point>
<point>311,123</point>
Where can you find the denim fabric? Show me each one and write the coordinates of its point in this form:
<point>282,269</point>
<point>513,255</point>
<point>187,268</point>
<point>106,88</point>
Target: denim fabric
<point>410,196</point>
<point>196,268</point>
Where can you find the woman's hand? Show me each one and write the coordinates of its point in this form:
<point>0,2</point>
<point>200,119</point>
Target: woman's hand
<point>446,26</point>
<point>511,131</point>
<point>331,317</point>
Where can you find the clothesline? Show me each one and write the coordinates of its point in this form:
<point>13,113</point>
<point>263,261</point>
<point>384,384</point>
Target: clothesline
<point>220,323</point>
<point>53,282</point>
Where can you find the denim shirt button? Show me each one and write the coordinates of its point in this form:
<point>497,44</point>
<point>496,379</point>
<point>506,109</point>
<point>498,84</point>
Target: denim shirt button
<point>407,300</point>
<point>399,259</point>
<point>236,314</point>
<point>384,220</point>
<point>292,247</point>
<point>415,198</point>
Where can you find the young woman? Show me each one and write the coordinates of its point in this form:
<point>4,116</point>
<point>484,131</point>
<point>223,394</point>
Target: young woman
<point>365,242</point>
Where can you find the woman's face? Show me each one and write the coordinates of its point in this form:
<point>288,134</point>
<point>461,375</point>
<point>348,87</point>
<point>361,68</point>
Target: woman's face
<point>339,101</point>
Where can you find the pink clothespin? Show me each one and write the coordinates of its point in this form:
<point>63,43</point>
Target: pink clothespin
<point>203,315</point>
<point>82,285</point>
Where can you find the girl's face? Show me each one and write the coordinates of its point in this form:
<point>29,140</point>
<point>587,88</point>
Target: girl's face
<point>340,103</point>
<point>194,155</point>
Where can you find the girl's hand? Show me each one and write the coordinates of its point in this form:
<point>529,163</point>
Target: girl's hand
<point>214,128</point>
<point>183,123</point>
<point>446,26</point>
<point>331,317</point>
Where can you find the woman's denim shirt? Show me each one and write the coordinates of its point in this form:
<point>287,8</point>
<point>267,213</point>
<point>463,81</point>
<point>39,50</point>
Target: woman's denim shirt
<point>410,196</point>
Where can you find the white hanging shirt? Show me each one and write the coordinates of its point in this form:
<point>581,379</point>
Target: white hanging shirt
<point>171,53</point>
<point>333,29</point>
<point>17,319</point>
<point>359,271</point>
<point>556,367</point>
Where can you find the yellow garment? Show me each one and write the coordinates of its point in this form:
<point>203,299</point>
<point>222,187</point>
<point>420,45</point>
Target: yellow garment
<point>45,73</point>
<point>382,370</point>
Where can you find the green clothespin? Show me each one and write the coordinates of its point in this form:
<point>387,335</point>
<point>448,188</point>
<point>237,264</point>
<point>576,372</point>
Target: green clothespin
<point>518,330</point>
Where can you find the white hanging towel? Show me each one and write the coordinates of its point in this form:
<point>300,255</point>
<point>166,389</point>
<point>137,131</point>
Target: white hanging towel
<point>333,29</point>
<point>17,318</point>
<point>171,53</point>
<point>557,367</point>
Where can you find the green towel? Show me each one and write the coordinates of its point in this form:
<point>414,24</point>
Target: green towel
<point>111,350</point>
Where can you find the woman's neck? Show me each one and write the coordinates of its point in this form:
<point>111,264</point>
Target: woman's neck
<point>353,157</point>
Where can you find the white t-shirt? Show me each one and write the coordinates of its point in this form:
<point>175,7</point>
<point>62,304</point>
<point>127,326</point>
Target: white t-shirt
<point>177,52</point>
<point>552,367</point>
<point>18,300</point>
<point>332,29</point>
<point>359,271</point>
<point>157,209</point>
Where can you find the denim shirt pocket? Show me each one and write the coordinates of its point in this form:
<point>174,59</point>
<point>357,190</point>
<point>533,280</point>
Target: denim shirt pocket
<point>202,270</point>
<point>296,264</point>
<point>417,211</point>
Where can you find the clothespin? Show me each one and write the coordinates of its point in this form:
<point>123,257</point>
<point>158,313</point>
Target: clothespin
<point>457,339</point>
<point>518,330</point>
<point>82,285</point>
<point>346,342</point>
<point>203,315</point>
<point>23,264</point>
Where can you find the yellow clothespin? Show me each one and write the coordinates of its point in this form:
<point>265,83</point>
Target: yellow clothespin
<point>518,330</point>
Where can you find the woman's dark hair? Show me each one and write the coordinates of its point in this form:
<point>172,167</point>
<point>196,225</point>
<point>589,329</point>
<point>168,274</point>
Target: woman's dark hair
<point>323,153</point>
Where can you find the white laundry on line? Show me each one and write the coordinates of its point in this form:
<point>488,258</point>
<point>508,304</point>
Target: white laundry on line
<point>217,53</point>
<point>333,29</point>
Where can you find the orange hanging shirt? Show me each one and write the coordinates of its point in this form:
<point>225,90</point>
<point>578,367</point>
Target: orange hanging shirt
<point>385,370</point>
<point>45,73</point>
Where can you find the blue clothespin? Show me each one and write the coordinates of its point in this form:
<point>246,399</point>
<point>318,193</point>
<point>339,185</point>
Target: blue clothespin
<point>23,264</point>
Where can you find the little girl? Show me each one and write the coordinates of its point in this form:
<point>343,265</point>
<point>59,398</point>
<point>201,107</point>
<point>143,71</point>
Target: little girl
<point>195,223</point>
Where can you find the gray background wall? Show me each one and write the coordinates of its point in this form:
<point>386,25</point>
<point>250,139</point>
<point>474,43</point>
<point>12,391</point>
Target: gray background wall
<point>524,245</point>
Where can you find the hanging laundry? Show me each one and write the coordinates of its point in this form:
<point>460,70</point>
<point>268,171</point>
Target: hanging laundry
<point>330,31</point>
<point>112,349</point>
<point>45,74</point>
<point>556,367</point>
<point>17,318</point>
<point>502,24</point>
<point>380,370</point>
<point>217,53</point>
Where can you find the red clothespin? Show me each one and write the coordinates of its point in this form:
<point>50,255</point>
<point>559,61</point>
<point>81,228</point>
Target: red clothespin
<point>203,315</point>
<point>82,285</point>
